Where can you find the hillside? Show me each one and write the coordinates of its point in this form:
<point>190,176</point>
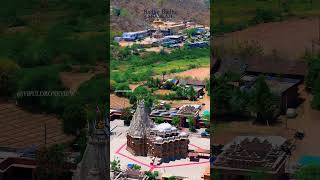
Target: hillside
<point>129,15</point>
<point>234,15</point>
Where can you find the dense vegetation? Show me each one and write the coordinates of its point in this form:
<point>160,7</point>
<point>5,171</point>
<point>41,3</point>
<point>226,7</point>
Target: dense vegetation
<point>258,100</point>
<point>313,79</point>
<point>41,39</point>
<point>128,67</point>
<point>233,15</point>
<point>51,164</point>
<point>308,172</point>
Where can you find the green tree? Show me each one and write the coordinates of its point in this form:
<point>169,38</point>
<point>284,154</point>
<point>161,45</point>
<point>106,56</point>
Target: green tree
<point>239,102</point>
<point>120,87</point>
<point>140,92</point>
<point>136,167</point>
<point>176,121</point>
<point>115,165</point>
<point>51,164</point>
<point>262,101</point>
<point>313,71</point>
<point>8,71</point>
<point>40,82</point>
<point>163,74</point>
<point>167,106</point>
<point>159,120</point>
<point>308,172</point>
<point>222,94</point>
<point>316,98</point>
<point>74,119</point>
<point>191,32</point>
<point>192,124</point>
<point>168,85</point>
<point>180,93</point>
<point>192,94</point>
<point>126,115</point>
<point>152,176</point>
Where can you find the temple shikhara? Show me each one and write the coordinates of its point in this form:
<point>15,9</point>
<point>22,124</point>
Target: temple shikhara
<point>95,161</point>
<point>162,141</point>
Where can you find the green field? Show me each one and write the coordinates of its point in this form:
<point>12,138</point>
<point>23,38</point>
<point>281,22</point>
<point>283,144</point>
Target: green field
<point>137,68</point>
<point>232,15</point>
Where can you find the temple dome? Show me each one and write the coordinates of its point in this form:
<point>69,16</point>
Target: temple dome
<point>163,127</point>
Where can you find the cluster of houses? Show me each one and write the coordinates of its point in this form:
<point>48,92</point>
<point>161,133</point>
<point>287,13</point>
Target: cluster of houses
<point>183,112</point>
<point>167,34</point>
<point>242,156</point>
<point>283,77</point>
<point>197,85</point>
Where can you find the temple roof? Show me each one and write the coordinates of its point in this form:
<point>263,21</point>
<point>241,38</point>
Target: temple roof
<point>252,152</point>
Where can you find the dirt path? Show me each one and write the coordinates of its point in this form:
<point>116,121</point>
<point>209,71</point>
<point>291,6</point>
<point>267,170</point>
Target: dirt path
<point>290,38</point>
<point>308,120</point>
<point>73,80</point>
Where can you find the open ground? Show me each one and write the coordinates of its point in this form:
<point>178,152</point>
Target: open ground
<point>183,167</point>
<point>289,38</point>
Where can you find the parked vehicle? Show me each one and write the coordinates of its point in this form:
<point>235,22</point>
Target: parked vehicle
<point>205,134</point>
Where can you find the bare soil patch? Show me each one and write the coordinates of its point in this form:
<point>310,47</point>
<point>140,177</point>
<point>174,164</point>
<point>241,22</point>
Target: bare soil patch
<point>290,38</point>
<point>117,102</point>
<point>197,73</point>
<point>73,80</point>
<point>163,91</point>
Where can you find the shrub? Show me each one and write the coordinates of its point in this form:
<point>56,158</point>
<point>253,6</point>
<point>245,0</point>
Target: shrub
<point>43,79</point>
<point>8,84</point>
<point>264,16</point>
<point>159,120</point>
<point>175,120</point>
<point>121,87</point>
<point>73,119</point>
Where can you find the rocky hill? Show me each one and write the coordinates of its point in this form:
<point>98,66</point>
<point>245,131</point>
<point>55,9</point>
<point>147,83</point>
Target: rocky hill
<point>130,15</point>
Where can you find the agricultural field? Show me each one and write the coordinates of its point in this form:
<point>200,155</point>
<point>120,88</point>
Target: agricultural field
<point>22,129</point>
<point>234,15</point>
<point>297,37</point>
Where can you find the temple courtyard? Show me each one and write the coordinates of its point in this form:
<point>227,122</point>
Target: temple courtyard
<point>192,170</point>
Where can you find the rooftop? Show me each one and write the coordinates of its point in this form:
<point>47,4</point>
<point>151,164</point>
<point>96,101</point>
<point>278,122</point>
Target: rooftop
<point>276,66</point>
<point>252,152</point>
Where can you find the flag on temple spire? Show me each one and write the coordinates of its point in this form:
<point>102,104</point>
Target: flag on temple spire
<point>98,110</point>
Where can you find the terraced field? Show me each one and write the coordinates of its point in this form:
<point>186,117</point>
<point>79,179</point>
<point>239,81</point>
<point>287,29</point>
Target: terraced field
<point>21,129</point>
